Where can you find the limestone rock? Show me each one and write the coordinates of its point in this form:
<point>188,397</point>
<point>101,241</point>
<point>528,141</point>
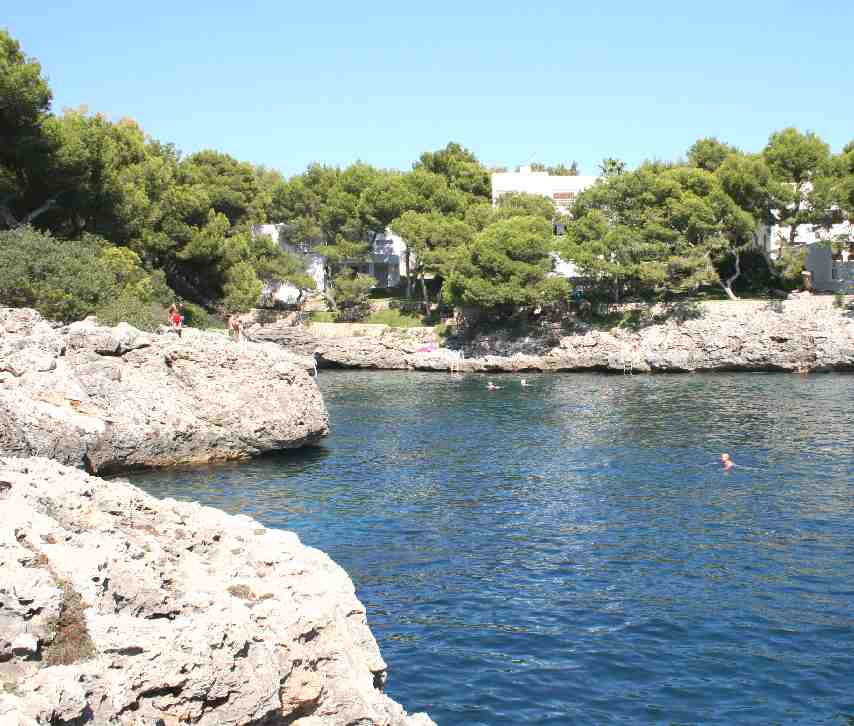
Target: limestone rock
<point>807,333</point>
<point>146,611</point>
<point>116,398</point>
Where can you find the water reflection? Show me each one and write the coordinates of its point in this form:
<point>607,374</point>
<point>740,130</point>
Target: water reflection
<point>572,552</point>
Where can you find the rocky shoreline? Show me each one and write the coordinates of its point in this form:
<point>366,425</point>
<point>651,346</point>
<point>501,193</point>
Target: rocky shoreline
<point>119,608</point>
<point>113,399</point>
<point>808,334</point>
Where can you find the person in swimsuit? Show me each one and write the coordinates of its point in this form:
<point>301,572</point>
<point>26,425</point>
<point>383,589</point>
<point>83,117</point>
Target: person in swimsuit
<point>726,462</point>
<point>492,387</point>
<point>234,326</point>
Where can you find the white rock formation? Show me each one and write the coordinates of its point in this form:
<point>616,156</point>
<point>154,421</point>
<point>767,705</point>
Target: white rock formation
<point>804,334</point>
<point>116,398</point>
<point>118,608</point>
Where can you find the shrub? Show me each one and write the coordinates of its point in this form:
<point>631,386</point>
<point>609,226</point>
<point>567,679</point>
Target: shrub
<point>395,319</point>
<point>136,312</point>
<point>71,640</point>
<point>352,297</point>
<point>195,315</point>
<point>68,280</point>
<point>242,288</point>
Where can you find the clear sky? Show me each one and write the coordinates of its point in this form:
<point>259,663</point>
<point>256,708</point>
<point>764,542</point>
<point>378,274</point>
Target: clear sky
<point>287,83</point>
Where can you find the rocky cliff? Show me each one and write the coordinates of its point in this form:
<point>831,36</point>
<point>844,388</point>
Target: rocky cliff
<point>118,608</point>
<point>808,334</point>
<point>115,398</point>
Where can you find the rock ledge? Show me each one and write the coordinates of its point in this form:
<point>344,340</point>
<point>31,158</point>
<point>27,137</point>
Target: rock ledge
<point>118,608</point>
<point>115,398</point>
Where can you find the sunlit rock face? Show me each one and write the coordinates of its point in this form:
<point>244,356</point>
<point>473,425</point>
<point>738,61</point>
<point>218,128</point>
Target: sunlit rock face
<point>802,334</point>
<point>118,608</point>
<point>116,398</point>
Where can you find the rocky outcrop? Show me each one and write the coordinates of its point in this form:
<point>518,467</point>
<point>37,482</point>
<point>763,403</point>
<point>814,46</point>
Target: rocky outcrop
<point>118,608</point>
<point>807,334</point>
<point>116,398</point>
<point>376,346</point>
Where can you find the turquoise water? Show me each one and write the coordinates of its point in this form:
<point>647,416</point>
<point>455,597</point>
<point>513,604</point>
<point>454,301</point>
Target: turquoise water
<point>572,552</point>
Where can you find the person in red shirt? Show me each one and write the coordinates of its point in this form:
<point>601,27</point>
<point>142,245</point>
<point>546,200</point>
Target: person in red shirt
<point>176,320</point>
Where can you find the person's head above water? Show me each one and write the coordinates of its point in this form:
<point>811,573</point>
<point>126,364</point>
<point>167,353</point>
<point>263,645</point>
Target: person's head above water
<point>726,460</point>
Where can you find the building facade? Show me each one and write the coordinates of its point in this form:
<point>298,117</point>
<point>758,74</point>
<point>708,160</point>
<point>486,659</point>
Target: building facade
<point>831,271</point>
<point>386,262</point>
<point>562,190</point>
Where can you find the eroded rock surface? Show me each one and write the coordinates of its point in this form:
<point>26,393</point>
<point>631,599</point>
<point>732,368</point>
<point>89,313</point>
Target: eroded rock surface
<point>118,608</point>
<point>806,334</point>
<point>117,398</point>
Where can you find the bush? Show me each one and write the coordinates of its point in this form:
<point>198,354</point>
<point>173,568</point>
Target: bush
<point>70,279</point>
<point>242,289</point>
<point>352,295</point>
<point>195,315</point>
<point>127,309</point>
<point>395,319</point>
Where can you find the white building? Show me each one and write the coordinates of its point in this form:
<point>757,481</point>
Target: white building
<point>830,272</point>
<point>562,190</point>
<point>385,264</point>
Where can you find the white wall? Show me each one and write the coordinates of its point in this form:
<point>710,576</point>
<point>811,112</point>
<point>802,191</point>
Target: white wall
<point>562,190</point>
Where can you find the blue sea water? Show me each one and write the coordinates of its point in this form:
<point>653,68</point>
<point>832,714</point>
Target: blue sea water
<point>572,553</point>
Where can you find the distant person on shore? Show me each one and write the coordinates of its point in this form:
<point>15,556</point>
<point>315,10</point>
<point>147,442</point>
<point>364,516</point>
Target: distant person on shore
<point>727,462</point>
<point>176,320</point>
<point>235,326</point>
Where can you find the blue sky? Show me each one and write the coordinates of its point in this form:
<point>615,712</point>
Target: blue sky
<point>337,81</point>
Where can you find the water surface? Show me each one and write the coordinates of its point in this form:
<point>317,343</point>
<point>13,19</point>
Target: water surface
<point>572,552</point>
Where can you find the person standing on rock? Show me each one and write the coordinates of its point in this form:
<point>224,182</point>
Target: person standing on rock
<point>234,326</point>
<point>176,320</point>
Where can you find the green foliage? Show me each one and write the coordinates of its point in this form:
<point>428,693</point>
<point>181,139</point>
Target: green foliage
<point>521,204</point>
<point>503,268</point>
<point>27,150</point>
<point>196,316</point>
<point>242,288</point>
<point>659,228</point>
<point>790,266</point>
<point>67,280</point>
<point>612,167</point>
<point>395,319</point>
<point>460,168</point>
<point>352,296</point>
<point>709,153</point>
<point>558,169</point>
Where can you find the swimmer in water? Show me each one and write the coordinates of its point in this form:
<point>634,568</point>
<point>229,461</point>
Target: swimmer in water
<point>492,387</point>
<point>726,462</point>
<point>524,382</point>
